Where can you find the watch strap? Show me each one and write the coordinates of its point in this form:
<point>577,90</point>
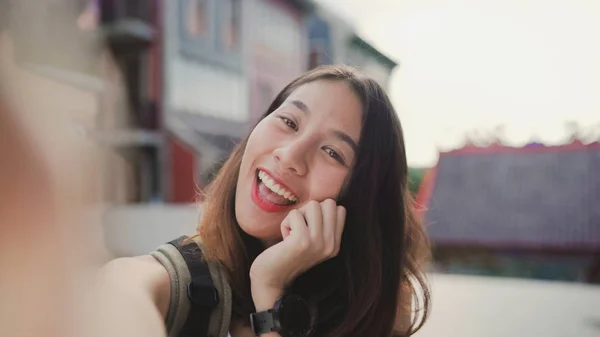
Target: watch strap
<point>262,322</point>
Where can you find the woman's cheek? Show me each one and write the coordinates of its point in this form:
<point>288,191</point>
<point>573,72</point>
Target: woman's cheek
<point>327,184</point>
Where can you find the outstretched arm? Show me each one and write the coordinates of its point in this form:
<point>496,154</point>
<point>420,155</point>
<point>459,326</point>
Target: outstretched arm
<point>131,298</point>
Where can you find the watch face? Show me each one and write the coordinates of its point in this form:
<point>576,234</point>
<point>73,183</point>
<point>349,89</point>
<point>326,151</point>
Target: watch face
<point>295,316</point>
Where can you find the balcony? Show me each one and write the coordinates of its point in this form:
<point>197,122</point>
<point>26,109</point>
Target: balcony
<point>127,25</point>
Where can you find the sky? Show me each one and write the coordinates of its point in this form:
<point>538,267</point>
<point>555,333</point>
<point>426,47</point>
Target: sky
<point>526,67</point>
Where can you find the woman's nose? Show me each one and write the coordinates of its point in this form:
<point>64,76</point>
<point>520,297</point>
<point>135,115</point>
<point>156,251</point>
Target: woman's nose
<point>292,157</point>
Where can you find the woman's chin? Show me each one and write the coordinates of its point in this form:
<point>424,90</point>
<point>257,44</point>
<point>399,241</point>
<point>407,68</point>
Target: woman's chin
<point>266,234</point>
<point>256,223</point>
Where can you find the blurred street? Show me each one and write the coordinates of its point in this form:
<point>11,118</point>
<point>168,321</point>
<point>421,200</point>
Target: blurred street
<point>475,306</point>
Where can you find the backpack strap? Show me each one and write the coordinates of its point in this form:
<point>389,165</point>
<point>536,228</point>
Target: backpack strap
<point>191,295</point>
<point>201,290</point>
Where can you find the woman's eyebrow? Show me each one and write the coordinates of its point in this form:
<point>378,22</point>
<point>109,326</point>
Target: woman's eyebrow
<point>338,134</point>
<point>300,105</point>
<point>346,138</point>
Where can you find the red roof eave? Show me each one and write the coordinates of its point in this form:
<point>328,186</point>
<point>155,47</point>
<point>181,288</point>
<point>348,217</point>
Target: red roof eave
<point>496,148</point>
<point>425,190</point>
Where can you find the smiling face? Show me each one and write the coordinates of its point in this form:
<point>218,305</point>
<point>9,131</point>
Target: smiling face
<point>302,151</point>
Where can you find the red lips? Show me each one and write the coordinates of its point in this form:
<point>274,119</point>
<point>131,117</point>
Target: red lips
<point>264,204</point>
<point>261,201</point>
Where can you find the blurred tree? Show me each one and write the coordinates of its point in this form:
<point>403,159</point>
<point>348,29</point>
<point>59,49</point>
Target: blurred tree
<point>415,176</point>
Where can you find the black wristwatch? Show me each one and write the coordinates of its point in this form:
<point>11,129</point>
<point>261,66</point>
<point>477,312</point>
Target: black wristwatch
<point>290,317</point>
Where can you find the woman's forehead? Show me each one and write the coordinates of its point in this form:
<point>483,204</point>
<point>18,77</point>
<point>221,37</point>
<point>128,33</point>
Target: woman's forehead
<point>325,96</point>
<point>332,89</point>
<point>328,102</point>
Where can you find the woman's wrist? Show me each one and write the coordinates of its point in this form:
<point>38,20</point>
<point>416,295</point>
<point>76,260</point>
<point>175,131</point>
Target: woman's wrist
<point>264,296</point>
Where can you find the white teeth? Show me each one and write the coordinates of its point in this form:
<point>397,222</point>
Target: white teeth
<point>275,187</point>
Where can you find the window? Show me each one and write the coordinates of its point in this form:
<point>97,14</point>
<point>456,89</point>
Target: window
<point>230,23</point>
<point>210,31</point>
<point>319,42</point>
<point>197,20</point>
<point>278,32</point>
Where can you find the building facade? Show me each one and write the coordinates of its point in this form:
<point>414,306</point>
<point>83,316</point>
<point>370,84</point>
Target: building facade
<point>176,83</point>
<point>163,88</point>
<point>520,212</point>
<point>205,92</point>
<point>277,51</point>
<point>334,41</point>
<point>223,61</point>
<point>79,54</point>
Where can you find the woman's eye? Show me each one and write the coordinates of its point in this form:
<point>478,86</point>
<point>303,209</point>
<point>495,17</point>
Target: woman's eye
<point>330,152</point>
<point>289,123</point>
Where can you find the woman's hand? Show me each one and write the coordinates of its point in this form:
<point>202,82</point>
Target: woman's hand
<point>311,235</point>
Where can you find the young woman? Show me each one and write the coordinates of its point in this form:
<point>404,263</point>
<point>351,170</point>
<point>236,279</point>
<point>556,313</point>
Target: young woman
<point>314,202</point>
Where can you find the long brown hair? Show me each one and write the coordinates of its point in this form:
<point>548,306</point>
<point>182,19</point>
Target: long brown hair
<point>377,275</point>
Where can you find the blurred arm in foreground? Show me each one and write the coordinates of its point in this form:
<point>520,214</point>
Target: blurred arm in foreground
<point>49,285</point>
<point>50,233</point>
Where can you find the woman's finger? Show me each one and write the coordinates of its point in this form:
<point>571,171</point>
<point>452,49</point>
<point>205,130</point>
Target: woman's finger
<point>339,228</point>
<point>314,220</point>
<point>294,225</point>
<point>329,210</point>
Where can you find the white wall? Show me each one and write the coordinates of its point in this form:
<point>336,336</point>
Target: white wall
<point>206,90</point>
<point>378,72</point>
<point>274,27</point>
<point>139,229</point>
<point>341,32</point>
<point>370,66</point>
